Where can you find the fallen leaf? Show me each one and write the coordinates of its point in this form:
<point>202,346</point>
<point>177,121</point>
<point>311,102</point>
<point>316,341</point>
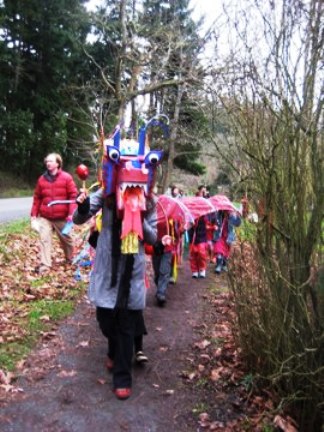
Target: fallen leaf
<point>66,374</point>
<point>3,377</point>
<point>21,364</point>
<point>215,374</point>
<point>216,425</point>
<point>284,424</point>
<point>84,344</point>
<point>204,420</point>
<point>29,297</point>
<point>203,344</point>
<point>205,358</point>
<point>9,388</point>
<point>188,375</point>
<point>48,335</point>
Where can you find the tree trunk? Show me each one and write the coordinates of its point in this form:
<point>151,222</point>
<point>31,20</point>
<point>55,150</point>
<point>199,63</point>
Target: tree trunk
<point>173,137</point>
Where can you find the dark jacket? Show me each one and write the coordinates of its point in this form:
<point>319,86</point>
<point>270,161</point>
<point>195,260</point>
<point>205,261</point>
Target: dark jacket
<point>198,233</point>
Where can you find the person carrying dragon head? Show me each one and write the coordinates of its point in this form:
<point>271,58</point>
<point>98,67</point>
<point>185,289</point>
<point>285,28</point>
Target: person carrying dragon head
<point>117,282</point>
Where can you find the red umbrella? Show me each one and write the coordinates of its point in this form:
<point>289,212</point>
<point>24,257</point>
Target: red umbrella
<point>198,206</point>
<point>221,202</point>
<point>173,208</point>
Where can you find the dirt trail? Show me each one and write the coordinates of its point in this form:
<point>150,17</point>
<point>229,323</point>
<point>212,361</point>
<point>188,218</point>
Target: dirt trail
<point>66,387</point>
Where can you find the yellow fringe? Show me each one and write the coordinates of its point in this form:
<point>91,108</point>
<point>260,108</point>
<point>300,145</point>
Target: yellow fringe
<point>129,244</point>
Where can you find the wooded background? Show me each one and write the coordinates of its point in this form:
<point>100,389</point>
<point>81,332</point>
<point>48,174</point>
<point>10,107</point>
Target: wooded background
<point>66,72</point>
<point>245,103</point>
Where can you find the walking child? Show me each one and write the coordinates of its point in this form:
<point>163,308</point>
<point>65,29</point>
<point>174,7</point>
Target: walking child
<point>224,237</point>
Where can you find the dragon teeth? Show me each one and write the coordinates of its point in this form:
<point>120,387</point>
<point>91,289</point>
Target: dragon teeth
<point>124,186</point>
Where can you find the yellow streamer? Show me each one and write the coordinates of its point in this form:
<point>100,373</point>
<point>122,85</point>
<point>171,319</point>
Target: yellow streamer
<point>99,221</point>
<point>129,244</point>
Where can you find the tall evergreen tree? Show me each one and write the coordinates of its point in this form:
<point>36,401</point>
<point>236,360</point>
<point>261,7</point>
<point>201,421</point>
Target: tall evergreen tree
<point>41,63</point>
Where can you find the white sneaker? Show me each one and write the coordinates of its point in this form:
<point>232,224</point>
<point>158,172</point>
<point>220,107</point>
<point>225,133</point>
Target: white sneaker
<point>140,357</point>
<point>195,275</point>
<point>202,274</point>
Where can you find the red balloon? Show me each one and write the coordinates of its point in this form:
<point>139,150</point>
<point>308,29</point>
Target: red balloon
<point>82,171</point>
<point>148,249</point>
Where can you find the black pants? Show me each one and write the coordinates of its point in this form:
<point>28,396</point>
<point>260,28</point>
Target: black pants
<point>121,326</point>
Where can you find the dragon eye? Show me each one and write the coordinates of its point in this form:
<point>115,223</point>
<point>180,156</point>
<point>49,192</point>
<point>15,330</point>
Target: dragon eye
<point>113,153</point>
<point>153,158</point>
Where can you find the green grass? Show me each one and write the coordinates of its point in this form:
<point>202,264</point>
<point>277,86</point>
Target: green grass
<point>217,288</point>
<point>16,227</point>
<point>248,381</point>
<point>16,193</point>
<point>38,282</point>
<point>6,231</point>
<point>12,352</point>
<point>41,318</point>
<point>202,382</point>
<point>55,310</point>
<point>11,186</point>
<point>30,319</point>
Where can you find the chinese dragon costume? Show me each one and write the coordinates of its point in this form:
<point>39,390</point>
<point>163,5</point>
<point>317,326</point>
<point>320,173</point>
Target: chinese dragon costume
<point>117,282</point>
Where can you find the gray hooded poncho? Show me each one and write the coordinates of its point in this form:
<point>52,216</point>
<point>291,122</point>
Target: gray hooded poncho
<point>117,280</point>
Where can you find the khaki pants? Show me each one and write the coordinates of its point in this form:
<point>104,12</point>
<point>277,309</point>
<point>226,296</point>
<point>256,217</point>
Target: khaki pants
<point>46,228</point>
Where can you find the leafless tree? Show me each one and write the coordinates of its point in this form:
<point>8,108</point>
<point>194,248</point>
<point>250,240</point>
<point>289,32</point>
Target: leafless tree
<point>271,86</point>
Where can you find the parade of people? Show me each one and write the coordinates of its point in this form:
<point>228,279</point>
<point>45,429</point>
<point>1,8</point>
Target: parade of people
<point>128,223</point>
<point>162,216</point>
<point>124,224</point>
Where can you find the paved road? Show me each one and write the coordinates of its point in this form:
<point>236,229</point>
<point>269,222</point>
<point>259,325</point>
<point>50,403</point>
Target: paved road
<point>14,208</point>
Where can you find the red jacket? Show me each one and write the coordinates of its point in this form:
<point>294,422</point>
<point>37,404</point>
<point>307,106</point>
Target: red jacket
<point>59,187</point>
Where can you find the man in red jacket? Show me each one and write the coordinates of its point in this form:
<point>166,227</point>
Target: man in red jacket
<point>54,184</point>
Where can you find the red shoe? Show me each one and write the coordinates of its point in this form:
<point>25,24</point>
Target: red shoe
<point>109,364</point>
<point>123,393</point>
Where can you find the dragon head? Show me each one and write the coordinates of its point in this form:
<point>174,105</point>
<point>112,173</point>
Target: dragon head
<point>128,171</point>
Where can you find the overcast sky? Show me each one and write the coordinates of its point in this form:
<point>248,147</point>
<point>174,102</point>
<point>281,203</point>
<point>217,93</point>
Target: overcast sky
<point>210,8</point>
